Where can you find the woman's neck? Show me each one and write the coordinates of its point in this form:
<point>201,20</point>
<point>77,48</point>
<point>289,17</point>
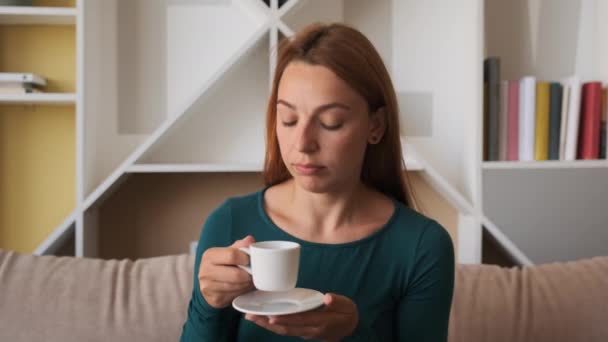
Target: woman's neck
<point>326,213</point>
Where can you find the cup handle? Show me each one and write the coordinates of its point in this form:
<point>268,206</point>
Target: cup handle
<point>246,268</point>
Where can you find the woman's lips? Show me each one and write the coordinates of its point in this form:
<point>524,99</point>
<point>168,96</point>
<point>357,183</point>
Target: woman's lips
<point>307,169</point>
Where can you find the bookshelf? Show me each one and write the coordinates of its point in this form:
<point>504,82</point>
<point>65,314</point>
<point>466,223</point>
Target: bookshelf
<point>155,112</point>
<point>163,127</point>
<point>550,209</point>
<point>38,159</point>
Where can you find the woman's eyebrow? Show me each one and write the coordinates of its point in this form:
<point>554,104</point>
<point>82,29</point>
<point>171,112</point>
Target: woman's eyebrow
<point>319,109</point>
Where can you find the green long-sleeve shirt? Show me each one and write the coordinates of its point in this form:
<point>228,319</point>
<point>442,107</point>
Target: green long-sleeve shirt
<point>401,277</point>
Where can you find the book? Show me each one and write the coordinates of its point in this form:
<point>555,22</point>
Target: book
<point>13,77</point>
<point>604,125</point>
<point>589,130</point>
<point>555,113</point>
<point>564,120</point>
<point>541,128</point>
<point>513,121</point>
<point>502,120</point>
<point>574,104</point>
<point>485,122</point>
<point>527,118</point>
<point>492,77</point>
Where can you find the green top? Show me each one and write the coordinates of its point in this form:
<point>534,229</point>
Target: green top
<point>401,277</point>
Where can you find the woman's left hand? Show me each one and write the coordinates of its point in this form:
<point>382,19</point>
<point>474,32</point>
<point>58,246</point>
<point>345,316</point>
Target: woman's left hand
<point>337,319</point>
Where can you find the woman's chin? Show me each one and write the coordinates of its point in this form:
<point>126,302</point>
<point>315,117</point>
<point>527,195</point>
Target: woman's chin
<point>311,184</point>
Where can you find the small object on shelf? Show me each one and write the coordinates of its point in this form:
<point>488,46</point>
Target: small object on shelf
<point>20,83</point>
<point>15,2</point>
<point>15,77</point>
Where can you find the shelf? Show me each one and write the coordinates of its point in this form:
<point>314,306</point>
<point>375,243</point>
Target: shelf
<point>547,164</point>
<point>49,98</point>
<point>27,15</point>
<point>411,164</point>
<point>186,168</point>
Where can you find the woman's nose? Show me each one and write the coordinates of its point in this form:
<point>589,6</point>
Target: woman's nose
<point>306,139</point>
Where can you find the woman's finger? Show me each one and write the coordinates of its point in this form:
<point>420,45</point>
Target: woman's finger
<point>307,332</point>
<point>226,256</point>
<point>311,318</point>
<point>337,303</point>
<point>224,287</point>
<point>226,274</point>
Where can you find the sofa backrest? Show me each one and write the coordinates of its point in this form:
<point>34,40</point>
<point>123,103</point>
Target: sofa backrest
<point>47,298</point>
<point>553,302</point>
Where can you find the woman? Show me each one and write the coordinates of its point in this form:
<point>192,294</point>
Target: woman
<point>335,184</point>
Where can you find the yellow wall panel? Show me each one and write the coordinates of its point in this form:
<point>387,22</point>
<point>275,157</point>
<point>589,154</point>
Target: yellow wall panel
<point>46,50</point>
<point>37,173</point>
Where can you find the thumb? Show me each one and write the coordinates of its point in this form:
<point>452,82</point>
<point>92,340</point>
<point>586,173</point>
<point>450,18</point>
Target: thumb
<point>337,303</point>
<point>244,242</point>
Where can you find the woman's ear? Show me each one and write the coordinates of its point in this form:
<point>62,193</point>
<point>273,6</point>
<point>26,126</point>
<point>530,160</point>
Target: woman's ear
<point>377,125</point>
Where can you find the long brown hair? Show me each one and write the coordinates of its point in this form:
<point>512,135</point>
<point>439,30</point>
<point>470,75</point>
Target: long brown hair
<point>353,58</point>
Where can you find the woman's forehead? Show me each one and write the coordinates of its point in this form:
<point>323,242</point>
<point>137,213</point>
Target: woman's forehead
<point>303,82</point>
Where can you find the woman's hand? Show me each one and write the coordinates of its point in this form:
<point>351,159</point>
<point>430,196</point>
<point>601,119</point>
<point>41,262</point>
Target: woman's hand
<point>219,279</point>
<point>337,319</point>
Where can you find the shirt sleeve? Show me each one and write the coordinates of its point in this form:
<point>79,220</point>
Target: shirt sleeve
<point>204,322</point>
<point>424,309</point>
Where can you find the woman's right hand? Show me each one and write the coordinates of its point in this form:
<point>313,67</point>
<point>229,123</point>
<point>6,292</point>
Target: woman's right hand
<point>219,278</point>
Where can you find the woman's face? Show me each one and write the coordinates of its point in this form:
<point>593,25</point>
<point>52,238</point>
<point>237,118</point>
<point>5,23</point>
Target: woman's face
<point>323,128</point>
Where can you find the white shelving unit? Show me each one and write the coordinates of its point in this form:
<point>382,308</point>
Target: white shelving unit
<point>181,87</point>
<point>45,98</point>
<point>23,15</point>
<point>167,105</point>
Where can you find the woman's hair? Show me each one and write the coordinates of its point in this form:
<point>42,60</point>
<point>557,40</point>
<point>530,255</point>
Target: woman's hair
<point>353,58</point>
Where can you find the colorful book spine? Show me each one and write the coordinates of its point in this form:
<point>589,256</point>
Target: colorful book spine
<point>527,119</point>
<point>541,134</point>
<point>513,121</point>
<point>564,121</point>
<point>492,78</point>
<point>574,105</point>
<point>502,120</point>
<point>589,138</point>
<point>604,125</point>
<point>555,113</point>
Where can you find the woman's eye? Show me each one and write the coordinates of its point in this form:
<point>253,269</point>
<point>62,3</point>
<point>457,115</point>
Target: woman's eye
<point>288,124</point>
<point>331,127</point>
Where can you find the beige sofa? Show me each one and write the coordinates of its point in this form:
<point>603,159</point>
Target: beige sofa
<point>72,299</point>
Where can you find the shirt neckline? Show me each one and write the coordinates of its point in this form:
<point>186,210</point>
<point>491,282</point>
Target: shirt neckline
<point>386,226</point>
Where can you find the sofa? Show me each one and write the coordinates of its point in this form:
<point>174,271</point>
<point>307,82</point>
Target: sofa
<point>49,298</point>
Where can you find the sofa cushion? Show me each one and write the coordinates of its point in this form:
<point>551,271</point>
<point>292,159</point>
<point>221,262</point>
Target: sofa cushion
<point>552,302</point>
<point>47,298</point>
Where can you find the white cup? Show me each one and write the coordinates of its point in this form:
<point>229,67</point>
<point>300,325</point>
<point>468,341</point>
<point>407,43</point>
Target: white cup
<point>273,265</point>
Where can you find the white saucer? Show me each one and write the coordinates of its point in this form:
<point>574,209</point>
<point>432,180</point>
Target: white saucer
<point>278,303</point>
